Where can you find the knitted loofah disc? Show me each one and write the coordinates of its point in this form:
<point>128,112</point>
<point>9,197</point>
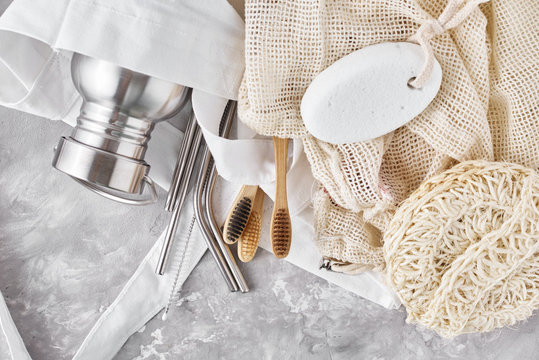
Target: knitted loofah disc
<point>462,251</point>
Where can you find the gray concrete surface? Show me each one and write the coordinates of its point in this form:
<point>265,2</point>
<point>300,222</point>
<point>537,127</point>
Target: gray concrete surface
<point>65,253</point>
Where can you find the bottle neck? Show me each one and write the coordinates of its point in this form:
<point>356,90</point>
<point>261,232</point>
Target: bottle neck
<point>111,130</point>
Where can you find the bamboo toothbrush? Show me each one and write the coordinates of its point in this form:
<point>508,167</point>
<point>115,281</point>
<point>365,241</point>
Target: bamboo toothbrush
<point>239,213</point>
<point>281,226</point>
<point>248,241</point>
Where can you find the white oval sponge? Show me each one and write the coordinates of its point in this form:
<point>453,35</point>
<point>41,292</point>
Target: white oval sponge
<point>366,94</point>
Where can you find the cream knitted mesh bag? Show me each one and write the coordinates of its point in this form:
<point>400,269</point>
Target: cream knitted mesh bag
<point>486,108</point>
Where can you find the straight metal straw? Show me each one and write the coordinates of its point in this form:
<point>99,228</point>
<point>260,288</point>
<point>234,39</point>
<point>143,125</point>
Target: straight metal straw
<point>177,185</point>
<point>181,194</point>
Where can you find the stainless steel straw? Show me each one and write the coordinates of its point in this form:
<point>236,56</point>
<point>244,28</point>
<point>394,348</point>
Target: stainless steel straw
<point>200,216</point>
<point>177,185</point>
<point>181,193</point>
<point>208,197</point>
<point>204,213</point>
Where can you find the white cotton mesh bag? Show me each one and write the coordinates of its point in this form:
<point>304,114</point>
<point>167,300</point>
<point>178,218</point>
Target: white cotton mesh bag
<point>486,108</point>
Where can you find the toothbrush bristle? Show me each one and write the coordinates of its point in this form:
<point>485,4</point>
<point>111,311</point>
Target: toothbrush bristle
<point>238,220</point>
<point>250,238</point>
<point>281,233</point>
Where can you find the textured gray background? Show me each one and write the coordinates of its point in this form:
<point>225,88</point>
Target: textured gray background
<point>65,253</point>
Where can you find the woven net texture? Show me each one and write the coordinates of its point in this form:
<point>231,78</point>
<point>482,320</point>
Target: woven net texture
<point>462,252</point>
<point>486,108</point>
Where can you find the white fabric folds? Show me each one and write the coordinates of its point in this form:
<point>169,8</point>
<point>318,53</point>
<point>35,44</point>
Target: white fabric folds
<point>197,43</point>
<point>11,345</point>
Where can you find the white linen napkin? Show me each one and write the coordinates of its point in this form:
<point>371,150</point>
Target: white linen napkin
<point>198,43</point>
<point>11,344</point>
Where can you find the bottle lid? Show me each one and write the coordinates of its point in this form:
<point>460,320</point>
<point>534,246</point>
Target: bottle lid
<point>102,168</point>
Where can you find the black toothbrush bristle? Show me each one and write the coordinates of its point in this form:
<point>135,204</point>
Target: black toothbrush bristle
<point>238,219</point>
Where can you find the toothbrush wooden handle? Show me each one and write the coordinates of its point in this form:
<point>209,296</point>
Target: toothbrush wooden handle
<point>281,225</point>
